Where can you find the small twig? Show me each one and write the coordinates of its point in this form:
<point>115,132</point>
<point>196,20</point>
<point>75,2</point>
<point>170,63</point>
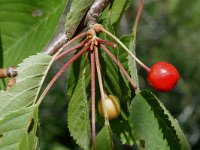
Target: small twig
<point>120,66</point>
<point>8,72</point>
<point>93,98</point>
<point>74,58</point>
<point>96,53</point>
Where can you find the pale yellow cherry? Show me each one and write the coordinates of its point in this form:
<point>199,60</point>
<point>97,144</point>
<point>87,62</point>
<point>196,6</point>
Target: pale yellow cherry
<point>112,105</point>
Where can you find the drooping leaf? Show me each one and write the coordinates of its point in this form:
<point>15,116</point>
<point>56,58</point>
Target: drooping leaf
<point>31,74</point>
<point>145,126</point>
<point>77,12</point>
<point>153,126</point>
<point>27,26</point>
<point>18,129</point>
<point>169,125</point>
<point>104,139</point>
<point>78,112</point>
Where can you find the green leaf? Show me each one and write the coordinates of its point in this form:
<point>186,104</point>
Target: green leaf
<point>145,126</point>
<point>118,8</point>
<point>77,12</point>
<point>78,113</point>
<point>127,61</point>
<point>121,128</point>
<point>31,74</point>
<point>18,129</point>
<point>169,125</point>
<point>153,126</point>
<point>104,139</point>
<point>27,26</point>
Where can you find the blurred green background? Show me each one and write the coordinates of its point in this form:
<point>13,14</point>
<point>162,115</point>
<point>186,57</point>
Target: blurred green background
<point>169,30</point>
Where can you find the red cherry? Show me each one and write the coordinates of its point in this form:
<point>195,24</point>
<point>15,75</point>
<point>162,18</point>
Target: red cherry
<point>163,76</point>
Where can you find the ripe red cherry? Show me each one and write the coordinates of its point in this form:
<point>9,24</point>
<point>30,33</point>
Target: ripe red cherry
<point>163,76</point>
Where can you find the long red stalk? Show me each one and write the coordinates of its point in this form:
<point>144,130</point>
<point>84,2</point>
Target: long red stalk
<point>105,42</point>
<point>69,50</point>
<point>74,58</point>
<point>96,53</point>
<point>119,65</point>
<point>76,38</point>
<point>138,16</point>
<point>93,98</point>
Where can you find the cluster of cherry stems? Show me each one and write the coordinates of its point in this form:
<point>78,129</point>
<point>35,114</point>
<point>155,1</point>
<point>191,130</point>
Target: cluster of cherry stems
<point>162,76</point>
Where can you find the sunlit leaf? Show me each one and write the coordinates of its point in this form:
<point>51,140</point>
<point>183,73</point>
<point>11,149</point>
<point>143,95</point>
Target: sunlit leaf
<point>27,26</point>
<point>31,74</point>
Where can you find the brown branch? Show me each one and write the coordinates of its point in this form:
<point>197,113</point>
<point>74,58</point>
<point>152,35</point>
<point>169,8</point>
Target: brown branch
<point>95,11</point>
<point>56,44</point>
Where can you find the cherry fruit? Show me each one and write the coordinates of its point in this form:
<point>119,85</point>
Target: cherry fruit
<point>112,105</point>
<point>163,76</point>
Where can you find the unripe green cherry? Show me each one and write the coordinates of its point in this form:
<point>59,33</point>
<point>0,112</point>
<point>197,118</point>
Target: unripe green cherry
<point>112,105</point>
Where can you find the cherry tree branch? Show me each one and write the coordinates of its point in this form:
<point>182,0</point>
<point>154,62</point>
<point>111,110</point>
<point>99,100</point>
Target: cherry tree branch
<point>95,11</point>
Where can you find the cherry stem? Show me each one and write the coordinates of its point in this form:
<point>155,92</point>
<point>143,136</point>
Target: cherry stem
<point>61,42</point>
<point>76,38</point>
<point>105,42</point>
<point>96,53</point>
<point>126,49</point>
<point>138,16</point>
<point>120,66</point>
<point>74,58</point>
<point>93,98</point>
<point>70,50</point>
